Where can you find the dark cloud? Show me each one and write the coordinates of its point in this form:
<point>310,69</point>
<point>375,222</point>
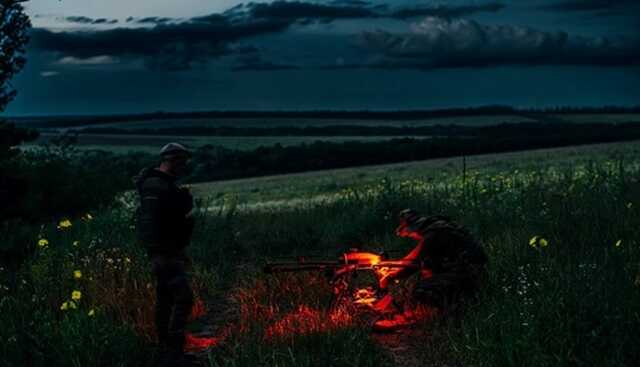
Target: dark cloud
<point>78,19</point>
<point>87,20</point>
<point>178,46</point>
<point>591,5</point>
<point>350,2</point>
<point>154,20</point>
<point>445,11</point>
<point>255,62</point>
<point>440,43</point>
<point>296,10</point>
<point>353,9</point>
<point>105,21</point>
<point>213,19</point>
<point>170,47</point>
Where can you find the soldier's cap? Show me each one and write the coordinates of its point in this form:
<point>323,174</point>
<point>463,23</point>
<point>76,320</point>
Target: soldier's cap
<point>174,150</point>
<point>408,219</point>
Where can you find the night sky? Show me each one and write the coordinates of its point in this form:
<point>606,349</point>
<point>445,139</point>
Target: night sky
<point>133,56</point>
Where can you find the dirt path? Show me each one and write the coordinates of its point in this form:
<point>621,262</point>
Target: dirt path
<point>403,346</point>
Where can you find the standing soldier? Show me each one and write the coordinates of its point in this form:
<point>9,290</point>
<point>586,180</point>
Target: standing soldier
<point>164,227</point>
<point>453,264</point>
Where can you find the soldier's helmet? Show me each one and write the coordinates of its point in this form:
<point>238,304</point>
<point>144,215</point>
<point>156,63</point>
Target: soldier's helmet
<point>410,221</point>
<point>173,150</point>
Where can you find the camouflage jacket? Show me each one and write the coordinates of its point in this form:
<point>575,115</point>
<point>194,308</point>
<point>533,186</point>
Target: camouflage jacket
<point>450,247</point>
<point>162,222</point>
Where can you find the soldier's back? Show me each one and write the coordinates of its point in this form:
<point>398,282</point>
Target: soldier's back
<point>451,241</point>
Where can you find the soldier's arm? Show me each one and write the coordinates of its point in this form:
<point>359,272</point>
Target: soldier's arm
<point>153,206</point>
<point>395,273</point>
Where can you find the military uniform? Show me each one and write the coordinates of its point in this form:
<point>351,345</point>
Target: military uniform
<point>164,227</point>
<point>455,259</point>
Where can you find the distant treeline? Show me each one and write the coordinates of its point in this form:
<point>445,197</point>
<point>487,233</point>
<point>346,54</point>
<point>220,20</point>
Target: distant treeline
<point>217,163</point>
<point>491,110</point>
<point>353,130</point>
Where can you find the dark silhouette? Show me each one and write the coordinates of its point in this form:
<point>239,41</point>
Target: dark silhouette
<point>164,227</point>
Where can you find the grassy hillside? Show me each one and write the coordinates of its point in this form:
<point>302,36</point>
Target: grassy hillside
<point>275,190</point>
<point>571,302</point>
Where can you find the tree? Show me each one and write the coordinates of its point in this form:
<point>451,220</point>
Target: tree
<point>14,25</point>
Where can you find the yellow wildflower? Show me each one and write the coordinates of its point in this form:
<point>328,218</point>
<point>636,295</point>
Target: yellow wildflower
<point>65,223</point>
<point>91,313</point>
<point>76,295</point>
<point>43,242</point>
<point>76,243</point>
<point>618,243</point>
<point>77,274</point>
<point>68,305</point>
<point>88,216</point>
<point>537,241</point>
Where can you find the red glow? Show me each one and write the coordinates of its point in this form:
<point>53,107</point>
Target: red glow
<point>364,296</point>
<point>194,343</point>
<point>198,310</point>
<point>306,320</point>
<point>362,258</point>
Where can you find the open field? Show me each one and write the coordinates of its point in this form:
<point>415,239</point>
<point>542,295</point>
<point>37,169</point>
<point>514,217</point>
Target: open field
<point>317,186</point>
<point>283,121</point>
<point>124,143</point>
<point>573,301</point>
<point>465,120</point>
<point>151,143</point>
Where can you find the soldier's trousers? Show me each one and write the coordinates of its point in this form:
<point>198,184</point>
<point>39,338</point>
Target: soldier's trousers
<point>446,290</point>
<point>174,300</point>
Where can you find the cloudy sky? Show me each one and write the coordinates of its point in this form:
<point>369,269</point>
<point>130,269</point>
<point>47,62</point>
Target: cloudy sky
<point>131,56</point>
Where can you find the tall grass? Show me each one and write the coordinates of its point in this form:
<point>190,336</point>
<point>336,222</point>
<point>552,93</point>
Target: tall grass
<point>573,302</point>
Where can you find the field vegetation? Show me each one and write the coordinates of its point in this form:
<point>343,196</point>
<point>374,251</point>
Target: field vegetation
<point>248,130</point>
<point>559,227</point>
<point>150,143</point>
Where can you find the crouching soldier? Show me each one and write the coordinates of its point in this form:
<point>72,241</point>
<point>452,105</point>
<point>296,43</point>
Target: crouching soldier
<point>453,266</point>
<point>164,227</point>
